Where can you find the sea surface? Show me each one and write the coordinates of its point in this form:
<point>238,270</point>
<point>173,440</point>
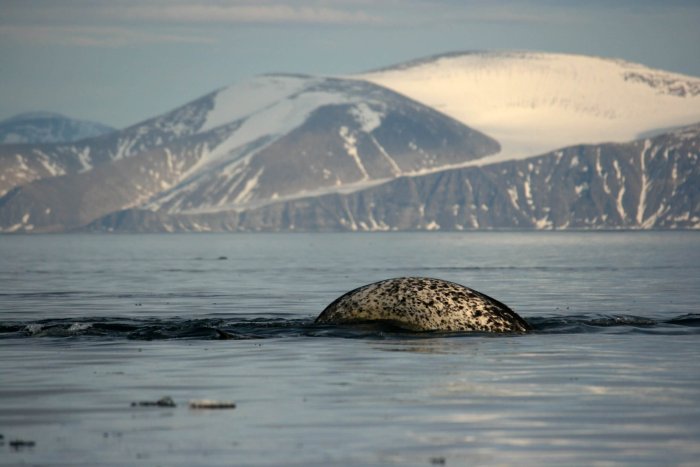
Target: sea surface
<point>92,325</point>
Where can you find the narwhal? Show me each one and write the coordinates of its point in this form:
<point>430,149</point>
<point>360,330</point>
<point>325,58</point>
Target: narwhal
<point>423,304</point>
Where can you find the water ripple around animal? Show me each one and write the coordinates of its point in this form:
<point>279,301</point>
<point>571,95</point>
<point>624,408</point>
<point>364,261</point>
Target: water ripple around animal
<point>249,327</point>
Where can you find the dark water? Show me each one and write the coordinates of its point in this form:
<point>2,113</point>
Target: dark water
<point>90,324</point>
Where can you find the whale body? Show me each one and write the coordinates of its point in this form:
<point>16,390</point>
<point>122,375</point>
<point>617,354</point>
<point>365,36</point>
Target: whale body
<point>423,304</point>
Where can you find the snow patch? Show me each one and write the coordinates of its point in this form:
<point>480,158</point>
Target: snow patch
<point>368,119</point>
<point>513,193</point>
<point>50,165</point>
<point>124,146</point>
<point>543,224</point>
<point>621,192</point>
<point>528,192</point>
<point>644,183</point>
<point>22,164</point>
<point>581,188</point>
<point>85,159</point>
<point>266,124</point>
<point>247,190</point>
<point>240,100</point>
<point>350,144</point>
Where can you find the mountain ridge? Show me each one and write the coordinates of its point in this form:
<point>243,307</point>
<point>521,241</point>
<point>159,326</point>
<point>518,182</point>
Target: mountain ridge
<point>48,127</point>
<point>257,152</point>
<point>644,184</point>
<point>287,137</point>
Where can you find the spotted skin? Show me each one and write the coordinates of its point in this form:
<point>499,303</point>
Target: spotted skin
<point>423,304</point>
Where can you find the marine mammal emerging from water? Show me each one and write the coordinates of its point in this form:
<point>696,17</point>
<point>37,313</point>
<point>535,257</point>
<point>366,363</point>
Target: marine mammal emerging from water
<point>423,304</point>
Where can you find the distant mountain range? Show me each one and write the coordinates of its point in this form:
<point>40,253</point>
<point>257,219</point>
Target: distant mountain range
<point>48,127</point>
<point>454,142</point>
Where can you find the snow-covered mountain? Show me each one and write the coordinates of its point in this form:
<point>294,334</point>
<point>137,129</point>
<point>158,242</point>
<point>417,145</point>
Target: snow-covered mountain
<point>295,136</point>
<point>533,103</point>
<point>48,127</point>
<point>273,138</point>
<point>21,164</point>
<point>297,152</point>
<point>653,183</point>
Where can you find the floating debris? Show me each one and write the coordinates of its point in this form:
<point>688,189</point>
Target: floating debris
<point>21,443</point>
<point>166,401</point>
<point>211,404</point>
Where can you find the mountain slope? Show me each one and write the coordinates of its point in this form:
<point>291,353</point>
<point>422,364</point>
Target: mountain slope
<point>65,202</point>
<point>297,152</point>
<point>48,127</point>
<point>23,163</point>
<point>533,103</point>
<point>276,137</point>
<point>325,135</point>
<point>647,184</point>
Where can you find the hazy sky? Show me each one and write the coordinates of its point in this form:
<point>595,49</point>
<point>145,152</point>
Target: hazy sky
<point>121,61</point>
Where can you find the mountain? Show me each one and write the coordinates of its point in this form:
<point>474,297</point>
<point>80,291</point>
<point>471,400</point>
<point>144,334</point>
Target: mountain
<point>21,164</point>
<point>533,103</point>
<point>652,183</point>
<point>48,127</point>
<point>274,138</point>
<point>572,142</point>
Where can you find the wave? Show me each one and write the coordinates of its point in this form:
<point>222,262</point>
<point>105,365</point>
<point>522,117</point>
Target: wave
<point>281,326</point>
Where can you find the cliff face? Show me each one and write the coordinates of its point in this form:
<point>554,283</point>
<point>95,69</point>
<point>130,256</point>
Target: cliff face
<point>648,184</point>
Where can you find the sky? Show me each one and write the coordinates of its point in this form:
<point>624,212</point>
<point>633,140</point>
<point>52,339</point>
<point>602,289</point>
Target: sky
<point>119,62</point>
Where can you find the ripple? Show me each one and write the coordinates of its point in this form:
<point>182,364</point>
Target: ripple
<point>281,325</point>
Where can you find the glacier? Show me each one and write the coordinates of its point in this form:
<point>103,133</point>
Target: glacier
<point>533,103</point>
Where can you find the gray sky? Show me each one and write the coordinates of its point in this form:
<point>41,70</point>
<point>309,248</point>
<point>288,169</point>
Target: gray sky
<point>121,61</point>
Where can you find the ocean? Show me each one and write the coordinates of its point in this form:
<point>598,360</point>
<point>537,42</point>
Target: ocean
<point>91,326</point>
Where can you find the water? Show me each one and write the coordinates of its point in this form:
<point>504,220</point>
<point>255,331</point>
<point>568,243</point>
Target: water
<point>90,324</point>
